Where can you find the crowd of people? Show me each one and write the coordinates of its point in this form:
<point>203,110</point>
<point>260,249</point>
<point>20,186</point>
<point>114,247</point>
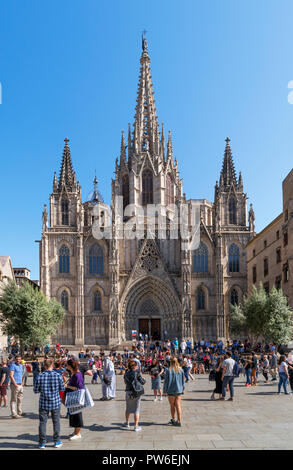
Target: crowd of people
<point>169,364</point>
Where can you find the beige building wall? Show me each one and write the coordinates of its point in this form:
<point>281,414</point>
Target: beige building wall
<point>6,273</point>
<point>264,256</point>
<point>269,254</point>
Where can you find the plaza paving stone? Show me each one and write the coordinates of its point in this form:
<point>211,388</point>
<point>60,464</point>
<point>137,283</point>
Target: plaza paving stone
<point>258,418</point>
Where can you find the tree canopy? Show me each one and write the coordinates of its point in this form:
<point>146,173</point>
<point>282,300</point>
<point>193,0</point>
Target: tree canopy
<point>27,315</point>
<point>263,316</point>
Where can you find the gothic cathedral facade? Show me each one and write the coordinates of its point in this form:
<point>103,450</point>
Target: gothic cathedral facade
<point>112,285</point>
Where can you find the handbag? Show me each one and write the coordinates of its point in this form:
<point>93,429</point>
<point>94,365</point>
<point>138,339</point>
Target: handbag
<point>107,381</point>
<point>88,403</point>
<point>75,399</point>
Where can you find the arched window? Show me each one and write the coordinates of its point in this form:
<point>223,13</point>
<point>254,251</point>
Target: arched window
<point>125,191</point>
<point>64,300</point>
<point>96,260</point>
<point>65,212</point>
<point>147,188</point>
<point>232,211</point>
<point>234,300</point>
<point>201,299</point>
<point>201,259</point>
<point>169,190</point>
<point>234,255</point>
<point>64,260</point>
<point>97,302</point>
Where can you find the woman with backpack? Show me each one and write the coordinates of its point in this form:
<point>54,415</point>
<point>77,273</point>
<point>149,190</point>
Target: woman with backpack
<point>134,391</point>
<point>174,388</point>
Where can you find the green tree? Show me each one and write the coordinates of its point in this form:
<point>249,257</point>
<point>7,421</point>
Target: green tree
<point>249,317</point>
<point>263,316</point>
<point>27,315</point>
<point>278,327</point>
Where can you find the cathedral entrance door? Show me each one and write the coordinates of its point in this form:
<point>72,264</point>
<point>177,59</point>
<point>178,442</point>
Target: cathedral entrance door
<point>156,328</point>
<point>144,326</point>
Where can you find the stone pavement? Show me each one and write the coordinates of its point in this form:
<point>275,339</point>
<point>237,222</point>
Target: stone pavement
<point>258,418</point>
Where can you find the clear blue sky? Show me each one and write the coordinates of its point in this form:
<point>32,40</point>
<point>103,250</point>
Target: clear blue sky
<point>70,68</point>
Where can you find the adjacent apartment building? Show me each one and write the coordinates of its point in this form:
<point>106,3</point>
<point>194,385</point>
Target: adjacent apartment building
<point>270,253</point>
<point>6,273</point>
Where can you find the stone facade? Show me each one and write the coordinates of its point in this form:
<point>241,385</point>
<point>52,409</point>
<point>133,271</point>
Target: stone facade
<point>270,253</point>
<point>6,273</point>
<point>117,273</point>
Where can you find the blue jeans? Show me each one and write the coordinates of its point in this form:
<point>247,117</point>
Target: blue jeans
<point>248,376</point>
<point>43,416</point>
<point>283,380</point>
<point>228,380</point>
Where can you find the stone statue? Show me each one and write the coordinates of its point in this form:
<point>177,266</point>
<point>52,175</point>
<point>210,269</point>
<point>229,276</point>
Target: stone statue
<point>251,219</point>
<point>45,218</point>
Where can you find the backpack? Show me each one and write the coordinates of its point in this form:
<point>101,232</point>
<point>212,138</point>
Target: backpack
<point>236,369</point>
<point>136,387</point>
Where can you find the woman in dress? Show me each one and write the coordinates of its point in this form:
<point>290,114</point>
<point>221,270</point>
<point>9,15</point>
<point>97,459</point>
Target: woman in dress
<point>75,383</point>
<point>132,400</point>
<point>156,371</point>
<point>109,380</point>
<point>174,388</point>
<point>219,382</point>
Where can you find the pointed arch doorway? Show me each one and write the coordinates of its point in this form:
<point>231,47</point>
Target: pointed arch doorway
<point>149,322</point>
<point>150,304</point>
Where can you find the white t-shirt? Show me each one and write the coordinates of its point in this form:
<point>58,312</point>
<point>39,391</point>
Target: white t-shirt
<point>229,364</point>
<point>283,367</point>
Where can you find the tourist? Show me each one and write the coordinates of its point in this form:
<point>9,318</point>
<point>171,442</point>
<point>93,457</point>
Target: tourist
<point>218,378</point>
<point>109,380</point>
<point>228,376</point>
<point>25,373</point>
<point>290,370</point>
<point>36,369</point>
<point>183,346</point>
<point>248,369</point>
<point>75,383</point>
<point>16,374</point>
<point>273,363</point>
<point>61,370</point>
<point>283,375</point>
<point>156,371</point>
<point>174,388</point>
<point>265,368</point>
<point>133,393</point>
<point>81,353</point>
<point>4,381</point>
<point>49,384</point>
<point>254,370</point>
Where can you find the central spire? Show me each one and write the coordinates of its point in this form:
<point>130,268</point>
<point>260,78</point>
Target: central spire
<point>146,123</point>
<point>67,177</point>
<point>228,176</point>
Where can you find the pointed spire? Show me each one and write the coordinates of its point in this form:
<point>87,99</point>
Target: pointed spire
<point>228,176</point>
<point>122,150</point>
<point>145,111</point>
<point>169,147</point>
<point>96,197</point>
<point>129,140</point>
<point>67,176</point>
<point>55,183</point>
<point>163,142</point>
<point>240,182</point>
